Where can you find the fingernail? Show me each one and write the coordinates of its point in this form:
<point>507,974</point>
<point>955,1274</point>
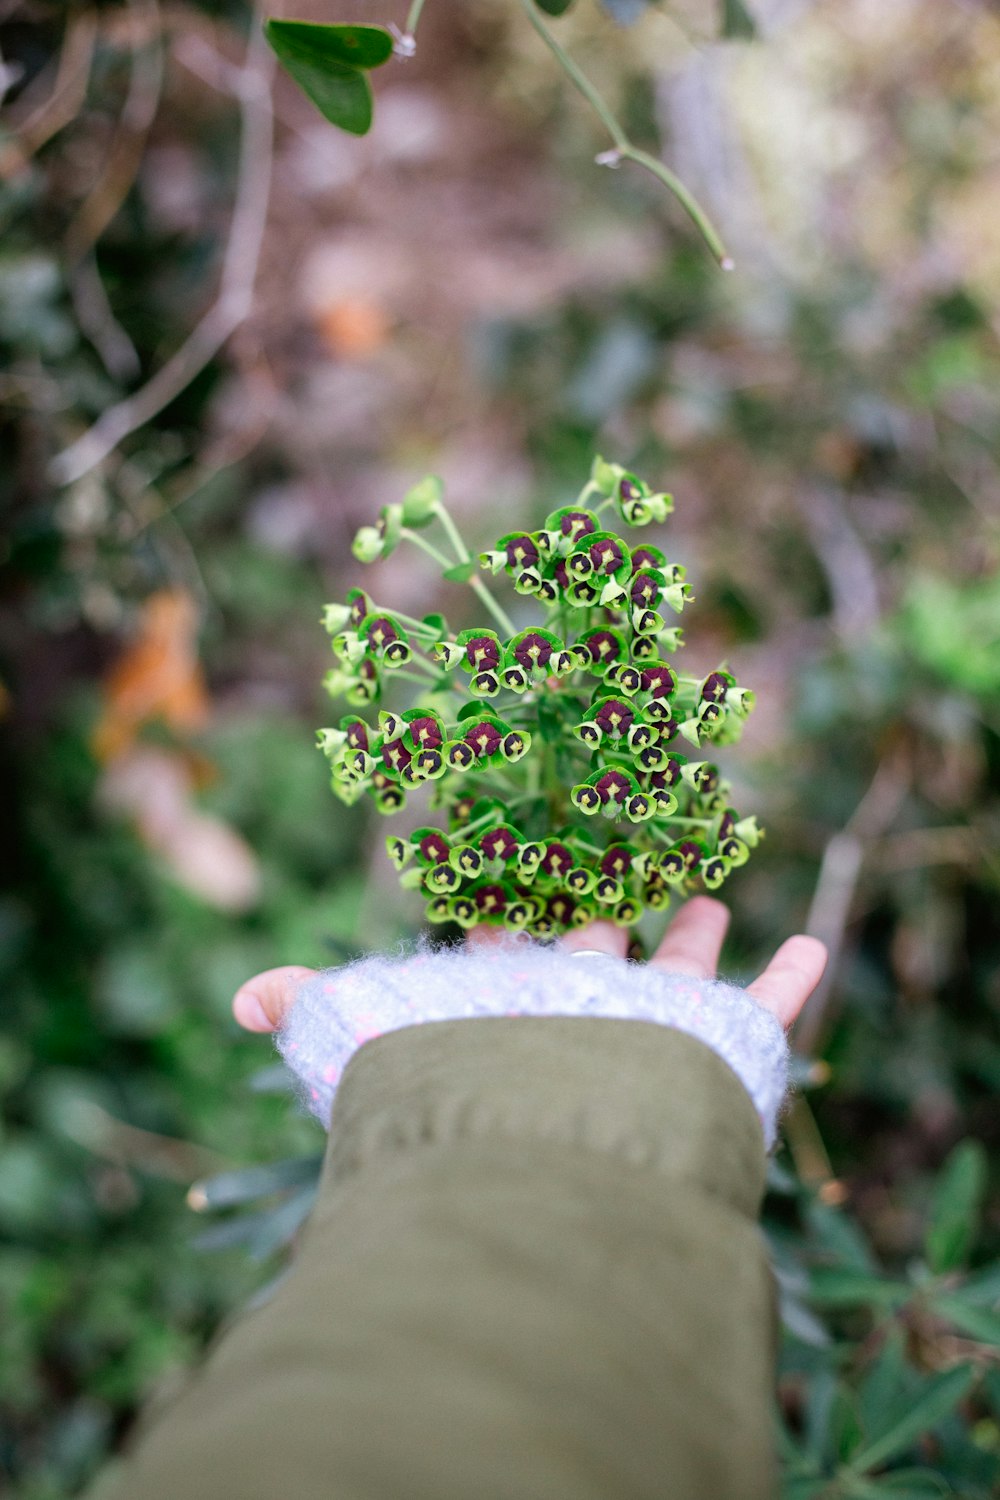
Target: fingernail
<point>250,1012</point>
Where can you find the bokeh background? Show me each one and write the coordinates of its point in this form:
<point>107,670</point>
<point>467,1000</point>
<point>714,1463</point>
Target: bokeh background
<point>229,335</point>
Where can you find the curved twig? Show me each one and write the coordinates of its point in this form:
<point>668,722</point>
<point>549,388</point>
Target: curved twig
<point>236,283</point>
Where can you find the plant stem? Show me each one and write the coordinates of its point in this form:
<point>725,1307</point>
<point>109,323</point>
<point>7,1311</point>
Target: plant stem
<point>452,532</point>
<point>418,627</point>
<point>624,147</point>
<point>477,585</point>
<point>426,546</point>
<point>410,676</point>
<point>494,606</point>
<point>413,17</point>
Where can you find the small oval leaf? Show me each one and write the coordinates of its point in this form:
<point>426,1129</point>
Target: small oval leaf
<point>347,46</point>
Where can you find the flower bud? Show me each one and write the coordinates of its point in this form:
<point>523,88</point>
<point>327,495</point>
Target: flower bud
<point>639,807</point>
<point>335,617</point>
<point>714,872</point>
<point>400,851</point>
<point>515,745</point>
<point>421,502</point>
<point>442,878</point>
<point>515,678</point>
<point>625,913</point>
<point>448,652</point>
<point>330,741</point>
<point>485,685</point>
<point>368,544</point>
<point>466,859</point>
<point>464,911</point>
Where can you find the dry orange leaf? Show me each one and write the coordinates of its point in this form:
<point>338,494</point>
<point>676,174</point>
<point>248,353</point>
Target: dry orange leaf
<point>157,677</point>
<point>354,327</point>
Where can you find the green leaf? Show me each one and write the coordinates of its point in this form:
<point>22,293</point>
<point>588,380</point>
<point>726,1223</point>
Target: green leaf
<point>461,572</point>
<point>839,1237</point>
<point>841,1286</point>
<point>345,46</point>
<point>978,1322</point>
<point>737,22</point>
<point>955,1207</point>
<point>554,7</point>
<point>983,1287</point>
<point>326,63</point>
<point>242,1186</point>
<point>936,1401</point>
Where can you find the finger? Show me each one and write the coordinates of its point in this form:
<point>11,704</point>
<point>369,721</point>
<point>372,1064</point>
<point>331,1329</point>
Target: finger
<point>790,978</point>
<point>694,938</point>
<point>260,1004</point>
<point>485,936</point>
<point>601,937</point>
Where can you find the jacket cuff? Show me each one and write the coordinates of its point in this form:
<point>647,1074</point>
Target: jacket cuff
<point>337,1011</point>
<point>649,1096</point>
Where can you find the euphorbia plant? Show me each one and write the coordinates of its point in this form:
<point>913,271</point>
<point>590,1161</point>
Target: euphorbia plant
<point>567,763</point>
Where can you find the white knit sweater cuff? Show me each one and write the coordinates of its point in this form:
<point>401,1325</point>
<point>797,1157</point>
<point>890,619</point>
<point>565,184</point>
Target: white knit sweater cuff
<point>334,1012</point>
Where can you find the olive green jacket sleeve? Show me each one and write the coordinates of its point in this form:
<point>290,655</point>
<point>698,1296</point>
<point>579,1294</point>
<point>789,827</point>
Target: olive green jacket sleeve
<point>533,1273</point>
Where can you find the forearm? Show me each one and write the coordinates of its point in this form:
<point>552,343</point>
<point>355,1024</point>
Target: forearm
<point>533,1271</point>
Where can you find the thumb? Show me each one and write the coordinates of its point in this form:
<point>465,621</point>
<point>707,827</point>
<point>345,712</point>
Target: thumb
<point>261,1003</point>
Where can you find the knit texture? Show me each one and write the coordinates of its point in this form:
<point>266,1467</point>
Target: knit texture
<point>336,1011</point>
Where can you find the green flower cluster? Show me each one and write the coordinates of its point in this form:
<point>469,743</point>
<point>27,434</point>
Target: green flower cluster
<point>569,763</point>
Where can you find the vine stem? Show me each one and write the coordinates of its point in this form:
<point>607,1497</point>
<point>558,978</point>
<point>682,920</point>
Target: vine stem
<point>624,149</point>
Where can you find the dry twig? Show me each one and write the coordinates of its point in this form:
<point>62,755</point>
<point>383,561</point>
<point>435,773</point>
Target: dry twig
<point>235,296</point>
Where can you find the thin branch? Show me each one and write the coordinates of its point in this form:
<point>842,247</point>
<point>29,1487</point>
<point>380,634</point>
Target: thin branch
<point>142,101</point>
<point>624,148</point>
<point>67,96</point>
<point>839,873</point>
<point>235,296</point>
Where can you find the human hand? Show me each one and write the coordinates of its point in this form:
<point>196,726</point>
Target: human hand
<point>691,946</point>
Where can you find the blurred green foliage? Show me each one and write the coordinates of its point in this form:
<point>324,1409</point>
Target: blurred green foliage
<point>829,421</point>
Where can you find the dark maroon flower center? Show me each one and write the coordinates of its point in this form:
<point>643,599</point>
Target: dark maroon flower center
<point>395,755</point>
<point>561,574</point>
<point>484,738</point>
<point>498,843</point>
<point>629,490</point>
<point>483,651</point>
<point>603,646</point>
<point>434,847</point>
<point>645,589</point>
<point>644,557</point>
<point>357,736</point>
<point>577,523</point>
<point>613,786</point>
<point>426,732</point>
<point>533,650</point>
<point>490,898</point>
<point>690,853</point>
<point>616,861</point>
<point>615,716</point>
<point>561,908</point>
<point>557,860</point>
<point>715,688</point>
<point>381,632</point>
<point>658,680</point>
<point>606,555</point>
<point>359,609</point>
<point>521,552</point>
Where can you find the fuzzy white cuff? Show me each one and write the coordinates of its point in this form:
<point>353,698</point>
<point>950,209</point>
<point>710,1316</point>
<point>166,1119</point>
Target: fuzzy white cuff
<point>339,1009</point>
